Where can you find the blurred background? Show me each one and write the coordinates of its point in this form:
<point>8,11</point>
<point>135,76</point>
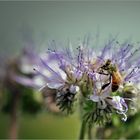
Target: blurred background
<point>33,24</point>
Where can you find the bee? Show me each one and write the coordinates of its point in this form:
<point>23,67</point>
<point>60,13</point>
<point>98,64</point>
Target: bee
<point>112,71</point>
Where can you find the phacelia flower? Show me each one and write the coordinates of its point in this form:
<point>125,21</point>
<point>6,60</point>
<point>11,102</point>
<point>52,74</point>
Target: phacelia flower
<point>63,77</point>
<point>25,74</point>
<point>114,70</point>
<point>106,80</point>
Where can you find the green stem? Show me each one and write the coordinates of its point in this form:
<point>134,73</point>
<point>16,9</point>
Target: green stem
<point>82,130</point>
<point>90,132</point>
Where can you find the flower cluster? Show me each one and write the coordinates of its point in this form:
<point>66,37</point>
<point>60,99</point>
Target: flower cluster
<point>103,82</point>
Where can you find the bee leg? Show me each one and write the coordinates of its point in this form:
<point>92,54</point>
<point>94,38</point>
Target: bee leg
<point>103,73</point>
<point>107,84</point>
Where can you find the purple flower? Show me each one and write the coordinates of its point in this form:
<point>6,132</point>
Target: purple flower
<point>103,77</point>
<point>87,70</point>
<point>25,73</point>
<point>114,67</point>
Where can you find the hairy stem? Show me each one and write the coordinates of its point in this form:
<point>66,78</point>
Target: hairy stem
<point>82,130</point>
<point>90,132</point>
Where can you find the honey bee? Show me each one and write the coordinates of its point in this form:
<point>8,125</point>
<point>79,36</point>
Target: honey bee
<point>112,71</point>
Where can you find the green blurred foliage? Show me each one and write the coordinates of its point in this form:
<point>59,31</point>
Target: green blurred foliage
<point>43,126</point>
<point>49,126</point>
<point>121,130</point>
<point>27,104</point>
